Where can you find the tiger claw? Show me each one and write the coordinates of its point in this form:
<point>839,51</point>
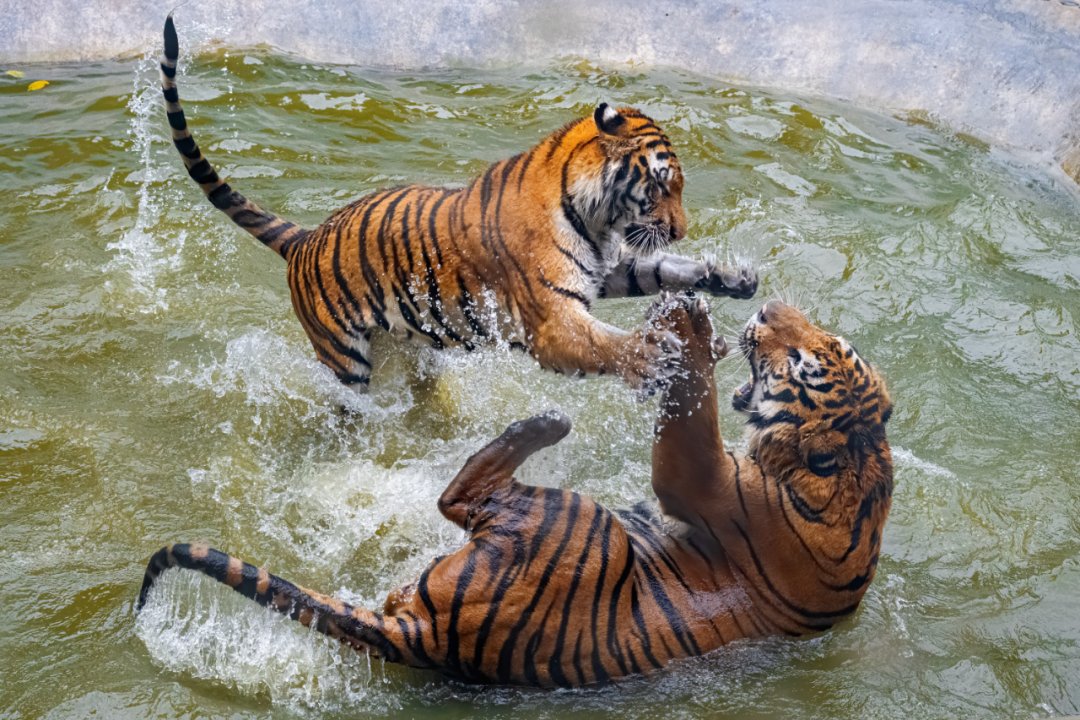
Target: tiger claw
<point>698,307</point>
<point>719,347</point>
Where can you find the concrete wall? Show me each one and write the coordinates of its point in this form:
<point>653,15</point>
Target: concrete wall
<point>1006,70</point>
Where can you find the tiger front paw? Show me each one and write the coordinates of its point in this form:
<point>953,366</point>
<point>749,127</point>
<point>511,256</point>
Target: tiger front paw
<point>652,358</point>
<point>687,318</point>
<point>734,281</point>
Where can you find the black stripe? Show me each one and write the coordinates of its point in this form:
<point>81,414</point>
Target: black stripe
<point>784,396</point>
<point>224,198</point>
<point>331,307</point>
<point>551,497</point>
<point>453,641</point>
<point>405,277</point>
<point>351,307</point>
<point>466,303</point>
<point>434,296</point>
<point>667,607</point>
<point>508,577</point>
<point>613,607</point>
<point>568,208</point>
<point>738,484</point>
<point>639,620</point>
<point>187,147</point>
<point>600,674</point>
<point>176,120</point>
<point>169,72</point>
<point>251,220</point>
<point>555,663</point>
<point>348,378</point>
<point>804,398</point>
<point>800,505</point>
<point>575,220</point>
<point>202,173</point>
<point>425,597</point>
<point>566,293</point>
<point>633,287</point>
<point>783,416</point>
<point>506,252</point>
<point>434,236</point>
<point>387,222</point>
<point>249,581</point>
<point>524,167</point>
<point>557,137</point>
<point>171,94</point>
<point>532,645</point>
<point>881,491</point>
<point>370,278</point>
<point>829,616</point>
<point>572,259</point>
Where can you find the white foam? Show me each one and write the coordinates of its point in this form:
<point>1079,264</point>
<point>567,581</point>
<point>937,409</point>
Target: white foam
<point>905,458</point>
<point>321,101</point>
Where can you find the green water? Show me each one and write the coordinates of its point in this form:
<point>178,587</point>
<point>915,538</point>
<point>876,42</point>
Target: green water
<point>155,387</point>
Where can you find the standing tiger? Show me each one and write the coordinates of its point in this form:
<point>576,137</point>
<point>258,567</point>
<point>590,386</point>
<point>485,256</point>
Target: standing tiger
<point>520,254</point>
<point>554,590</point>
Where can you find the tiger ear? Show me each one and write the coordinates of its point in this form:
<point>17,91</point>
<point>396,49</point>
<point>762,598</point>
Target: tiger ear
<point>608,120</point>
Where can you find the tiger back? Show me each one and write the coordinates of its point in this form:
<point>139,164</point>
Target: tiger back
<point>519,255</point>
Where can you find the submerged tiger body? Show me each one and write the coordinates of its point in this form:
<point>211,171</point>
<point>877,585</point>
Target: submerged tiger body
<point>554,590</point>
<point>520,254</point>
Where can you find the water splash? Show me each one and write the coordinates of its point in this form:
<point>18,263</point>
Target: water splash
<point>143,252</point>
<point>192,625</point>
<point>151,248</point>
<point>907,459</point>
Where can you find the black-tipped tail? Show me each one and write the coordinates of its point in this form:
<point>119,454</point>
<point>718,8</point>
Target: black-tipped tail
<point>358,627</point>
<point>276,233</point>
<point>172,43</point>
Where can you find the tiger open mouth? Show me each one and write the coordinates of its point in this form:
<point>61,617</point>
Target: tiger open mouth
<point>740,400</point>
<point>744,394</point>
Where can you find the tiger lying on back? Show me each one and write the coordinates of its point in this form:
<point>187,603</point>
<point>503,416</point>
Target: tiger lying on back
<point>552,589</point>
<point>520,254</point>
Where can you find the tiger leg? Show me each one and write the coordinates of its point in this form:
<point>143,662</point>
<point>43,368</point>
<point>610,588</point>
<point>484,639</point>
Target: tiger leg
<point>349,356</point>
<point>634,277</point>
<point>357,627</point>
<point>573,341</point>
<point>490,469</point>
<point>688,454</point>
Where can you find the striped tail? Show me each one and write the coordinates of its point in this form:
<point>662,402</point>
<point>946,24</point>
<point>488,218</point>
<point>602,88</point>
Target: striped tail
<point>357,627</point>
<point>276,233</point>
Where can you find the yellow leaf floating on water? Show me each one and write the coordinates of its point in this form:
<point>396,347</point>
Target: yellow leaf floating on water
<point>38,85</point>
<point>13,73</point>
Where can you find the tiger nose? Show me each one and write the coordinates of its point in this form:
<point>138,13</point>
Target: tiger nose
<point>770,309</point>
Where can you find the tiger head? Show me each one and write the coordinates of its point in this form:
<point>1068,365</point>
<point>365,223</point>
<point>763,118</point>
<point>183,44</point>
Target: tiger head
<point>639,194</point>
<point>816,409</point>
